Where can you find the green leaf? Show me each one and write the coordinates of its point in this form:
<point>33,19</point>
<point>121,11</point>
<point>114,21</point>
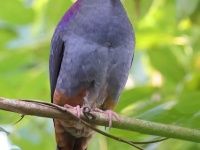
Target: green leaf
<point>129,97</point>
<point>163,60</point>
<point>188,103</point>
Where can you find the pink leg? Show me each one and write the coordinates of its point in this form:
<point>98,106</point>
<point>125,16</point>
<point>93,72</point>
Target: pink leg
<point>78,109</point>
<point>110,114</point>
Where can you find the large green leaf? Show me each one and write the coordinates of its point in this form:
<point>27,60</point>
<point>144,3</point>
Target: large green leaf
<point>130,97</point>
<point>164,60</point>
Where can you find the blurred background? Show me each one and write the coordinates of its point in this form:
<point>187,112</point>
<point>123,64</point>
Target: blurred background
<point>163,86</point>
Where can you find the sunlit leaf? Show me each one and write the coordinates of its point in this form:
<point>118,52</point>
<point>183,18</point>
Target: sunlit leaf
<point>165,61</point>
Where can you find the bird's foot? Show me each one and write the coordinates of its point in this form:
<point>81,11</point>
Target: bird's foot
<point>87,111</point>
<point>110,114</point>
<point>78,109</point>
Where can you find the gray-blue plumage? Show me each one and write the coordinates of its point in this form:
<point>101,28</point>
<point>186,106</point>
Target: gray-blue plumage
<point>93,50</point>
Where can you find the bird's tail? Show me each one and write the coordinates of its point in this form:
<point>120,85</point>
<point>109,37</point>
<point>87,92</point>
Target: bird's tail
<point>65,141</point>
<point>76,144</point>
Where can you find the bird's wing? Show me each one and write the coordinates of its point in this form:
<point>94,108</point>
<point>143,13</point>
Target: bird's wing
<point>55,60</point>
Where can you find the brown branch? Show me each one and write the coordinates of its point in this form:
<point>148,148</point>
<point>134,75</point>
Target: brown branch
<point>44,109</point>
<point>71,114</point>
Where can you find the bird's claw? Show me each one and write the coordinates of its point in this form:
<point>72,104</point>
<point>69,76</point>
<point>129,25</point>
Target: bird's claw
<point>88,113</point>
<point>78,109</point>
<point>110,113</point>
<point>91,116</point>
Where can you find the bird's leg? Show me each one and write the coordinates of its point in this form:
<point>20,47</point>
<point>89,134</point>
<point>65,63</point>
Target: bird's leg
<point>78,109</point>
<point>110,113</point>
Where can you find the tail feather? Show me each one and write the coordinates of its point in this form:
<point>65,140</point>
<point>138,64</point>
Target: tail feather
<point>82,143</point>
<point>77,144</point>
<point>65,141</point>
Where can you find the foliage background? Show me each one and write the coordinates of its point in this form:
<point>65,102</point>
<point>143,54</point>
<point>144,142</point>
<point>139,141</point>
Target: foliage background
<point>164,83</point>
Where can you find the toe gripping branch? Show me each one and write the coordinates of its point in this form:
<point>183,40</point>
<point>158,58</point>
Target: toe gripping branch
<point>88,113</point>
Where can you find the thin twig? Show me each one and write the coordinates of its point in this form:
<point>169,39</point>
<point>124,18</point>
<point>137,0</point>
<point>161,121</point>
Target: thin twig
<point>150,142</point>
<point>22,116</point>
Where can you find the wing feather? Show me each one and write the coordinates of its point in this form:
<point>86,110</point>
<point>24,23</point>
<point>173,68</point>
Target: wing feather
<point>55,60</point>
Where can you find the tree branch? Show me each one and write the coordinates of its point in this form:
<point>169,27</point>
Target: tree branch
<point>49,110</point>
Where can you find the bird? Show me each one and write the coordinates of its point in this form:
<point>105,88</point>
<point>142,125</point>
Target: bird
<point>91,54</point>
